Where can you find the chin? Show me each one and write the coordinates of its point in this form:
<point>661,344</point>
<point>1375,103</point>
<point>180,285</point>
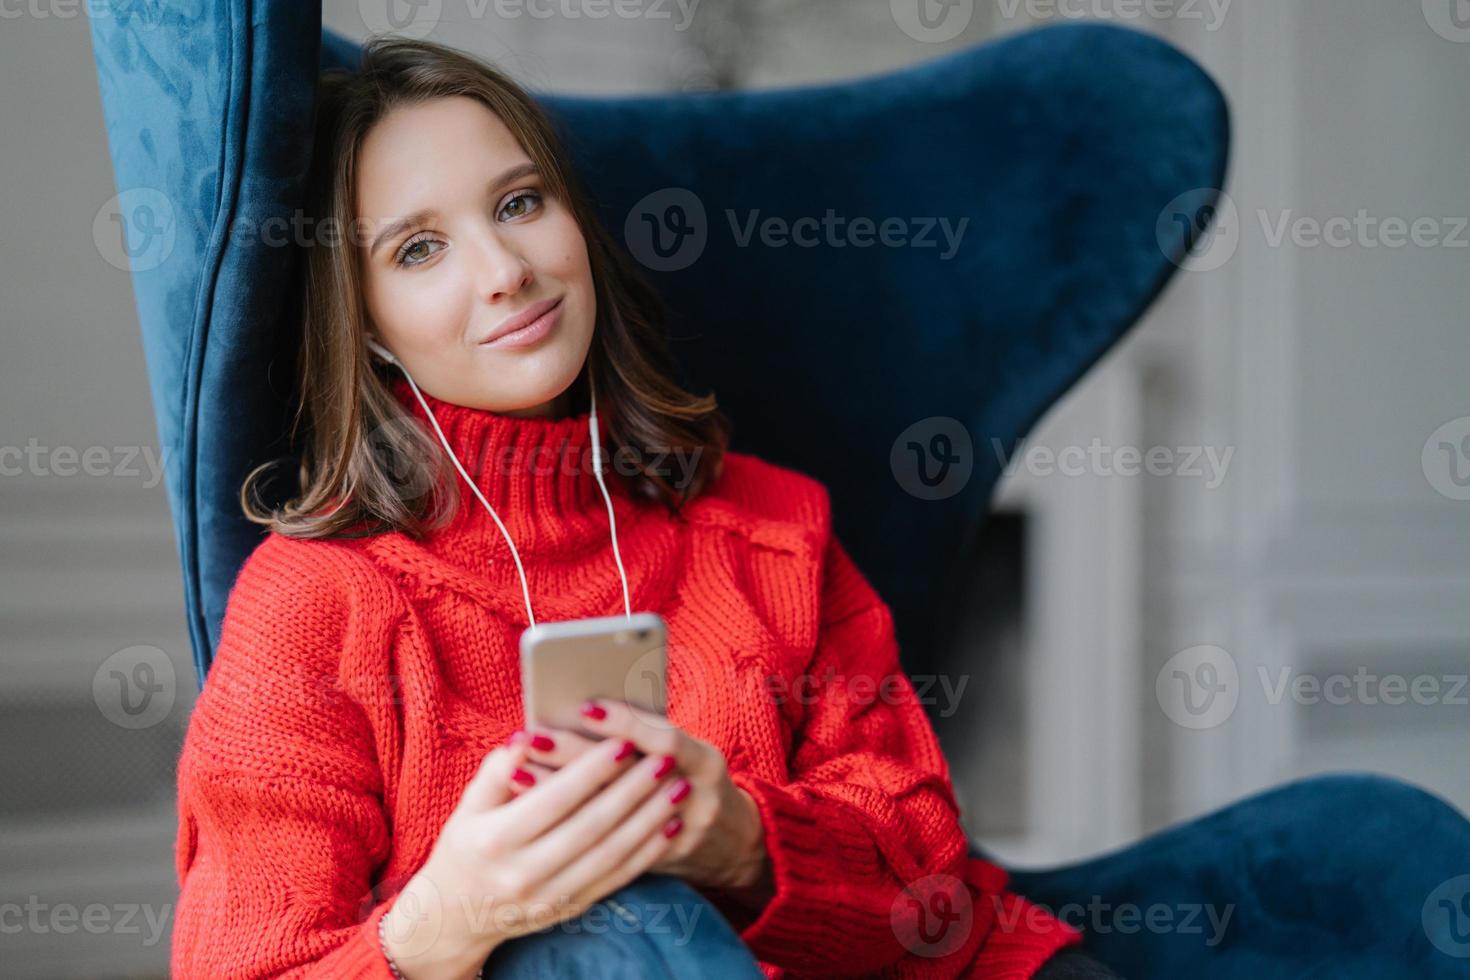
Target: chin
<point>537,385</point>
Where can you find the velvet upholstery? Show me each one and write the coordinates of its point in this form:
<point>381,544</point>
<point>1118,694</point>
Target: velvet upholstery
<point>1345,876</point>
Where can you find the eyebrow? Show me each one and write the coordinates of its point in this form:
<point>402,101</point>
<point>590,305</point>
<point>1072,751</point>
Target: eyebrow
<point>395,228</point>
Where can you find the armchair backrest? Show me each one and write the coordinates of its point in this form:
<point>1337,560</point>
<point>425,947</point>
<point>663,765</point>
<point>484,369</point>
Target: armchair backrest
<point>885,280</point>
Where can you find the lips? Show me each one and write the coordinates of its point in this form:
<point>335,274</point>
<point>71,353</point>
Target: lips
<point>522,319</point>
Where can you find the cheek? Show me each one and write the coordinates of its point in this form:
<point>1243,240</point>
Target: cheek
<point>566,250</point>
<point>418,305</point>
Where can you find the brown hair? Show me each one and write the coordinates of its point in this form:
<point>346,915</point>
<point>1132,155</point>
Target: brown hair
<point>366,462</point>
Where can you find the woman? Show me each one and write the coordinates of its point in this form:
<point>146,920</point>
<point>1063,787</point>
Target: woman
<point>355,795</point>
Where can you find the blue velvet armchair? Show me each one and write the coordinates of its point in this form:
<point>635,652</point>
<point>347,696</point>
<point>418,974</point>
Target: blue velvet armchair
<point>1053,153</point>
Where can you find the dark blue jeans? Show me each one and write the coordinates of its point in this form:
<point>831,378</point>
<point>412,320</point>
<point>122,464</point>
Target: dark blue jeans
<point>656,926</point>
<point>659,926</point>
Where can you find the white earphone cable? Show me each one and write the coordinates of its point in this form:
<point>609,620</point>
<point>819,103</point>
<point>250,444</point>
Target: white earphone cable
<point>596,468</point>
<point>612,520</point>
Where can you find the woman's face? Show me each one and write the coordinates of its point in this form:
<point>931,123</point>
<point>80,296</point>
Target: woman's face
<point>482,244</point>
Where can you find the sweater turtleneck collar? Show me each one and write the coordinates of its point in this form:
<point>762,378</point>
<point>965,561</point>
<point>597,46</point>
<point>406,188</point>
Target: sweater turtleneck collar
<point>536,472</point>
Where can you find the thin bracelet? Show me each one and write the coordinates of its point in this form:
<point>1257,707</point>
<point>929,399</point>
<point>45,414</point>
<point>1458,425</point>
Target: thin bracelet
<point>393,967</point>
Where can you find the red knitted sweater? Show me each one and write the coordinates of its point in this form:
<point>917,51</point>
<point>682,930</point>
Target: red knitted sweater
<point>357,684</point>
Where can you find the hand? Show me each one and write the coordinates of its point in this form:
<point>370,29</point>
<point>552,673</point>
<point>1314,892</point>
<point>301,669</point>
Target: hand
<point>506,864</point>
<point>723,840</point>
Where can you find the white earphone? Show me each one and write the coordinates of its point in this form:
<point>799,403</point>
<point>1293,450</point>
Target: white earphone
<point>382,351</point>
<point>388,357</point>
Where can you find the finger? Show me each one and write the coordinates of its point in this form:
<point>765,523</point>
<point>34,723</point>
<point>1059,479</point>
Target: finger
<point>649,829</point>
<point>547,803</point>
<point>653,733</point>
<point>599,817</point>
<point>556,747</point>
<point>528,774</point>
<point>487,788</point>
<point>650,851</point>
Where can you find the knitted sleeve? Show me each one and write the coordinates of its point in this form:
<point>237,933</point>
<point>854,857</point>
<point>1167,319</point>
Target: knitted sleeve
<point>868,809</point>
<point>281,822</point>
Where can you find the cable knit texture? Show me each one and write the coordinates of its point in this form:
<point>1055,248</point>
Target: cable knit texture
<point>358,683</point>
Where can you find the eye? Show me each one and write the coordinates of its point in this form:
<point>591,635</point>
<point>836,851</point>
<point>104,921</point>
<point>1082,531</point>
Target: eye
<point>525,199</point>
<point>409,246</point>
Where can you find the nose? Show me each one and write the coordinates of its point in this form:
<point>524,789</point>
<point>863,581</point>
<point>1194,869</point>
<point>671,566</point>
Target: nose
<point>500,268</point>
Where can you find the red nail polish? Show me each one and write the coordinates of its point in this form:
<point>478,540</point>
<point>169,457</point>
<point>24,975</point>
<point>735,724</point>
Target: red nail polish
<point>681,790</point>
<point>625,750</point>
<point>594,711</point>
<point>664,765</point>
<point>523,777</point>
<point>542,743</point>
<point>673,827</point>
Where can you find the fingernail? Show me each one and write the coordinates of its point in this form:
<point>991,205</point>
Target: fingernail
<point>518,736</point>
<point>673,827</point>
<point>664,765</point>
<point>542,743</point>
<point>624,750</point>
<point>681,790</point>
<point>523,777</point>
<point>594,711</point>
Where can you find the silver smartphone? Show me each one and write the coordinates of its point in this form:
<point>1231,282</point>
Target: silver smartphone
<point>613,657</point>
